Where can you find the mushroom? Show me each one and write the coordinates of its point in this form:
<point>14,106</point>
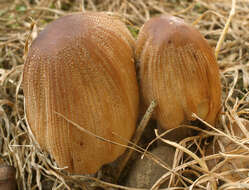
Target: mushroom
<point>178,69</point>
<point>80,69</point>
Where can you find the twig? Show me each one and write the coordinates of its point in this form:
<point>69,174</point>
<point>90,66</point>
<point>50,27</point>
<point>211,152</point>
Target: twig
<point>223,34</point>
<point>91,133</point>
<point>82,6</point>
<point>137,136</point>
<point>29,38</point>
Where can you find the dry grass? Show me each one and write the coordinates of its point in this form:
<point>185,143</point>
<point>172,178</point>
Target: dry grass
<point>20,20</point>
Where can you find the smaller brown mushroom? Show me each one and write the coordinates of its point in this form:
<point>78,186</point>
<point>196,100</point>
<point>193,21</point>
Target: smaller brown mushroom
<point>178,69</point>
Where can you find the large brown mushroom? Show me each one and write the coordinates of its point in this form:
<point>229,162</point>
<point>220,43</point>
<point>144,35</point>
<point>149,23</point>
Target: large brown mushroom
<point>178,69</point>
<point>81,66</point>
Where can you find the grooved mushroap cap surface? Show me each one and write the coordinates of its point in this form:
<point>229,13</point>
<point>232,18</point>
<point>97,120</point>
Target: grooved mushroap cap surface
<point>178,69</point>
<point>82,67</point>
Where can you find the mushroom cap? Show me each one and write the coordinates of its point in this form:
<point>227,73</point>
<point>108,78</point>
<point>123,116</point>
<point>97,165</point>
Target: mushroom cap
<point>178,69</point>
<point>82,66</point>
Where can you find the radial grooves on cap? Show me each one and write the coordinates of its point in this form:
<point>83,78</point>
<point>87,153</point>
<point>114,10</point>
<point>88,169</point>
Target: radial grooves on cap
<point>88,75</point>
<point>179,70</point>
